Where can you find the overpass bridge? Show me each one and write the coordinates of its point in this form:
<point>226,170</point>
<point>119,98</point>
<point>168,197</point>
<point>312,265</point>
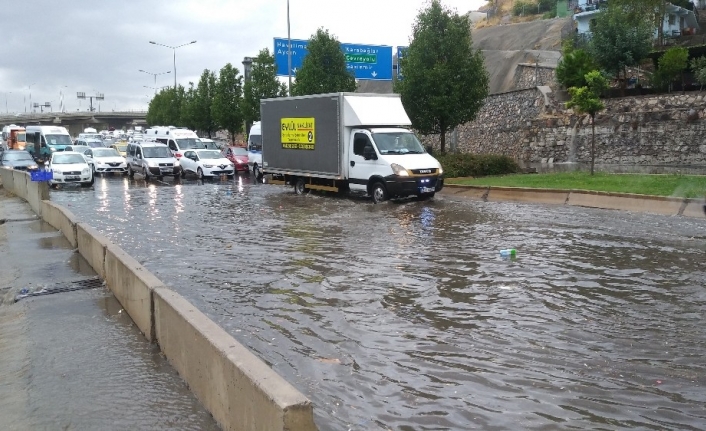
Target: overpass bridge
<point>75,122</point>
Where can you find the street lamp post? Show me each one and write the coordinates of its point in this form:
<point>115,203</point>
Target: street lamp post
<point>155,77</point>
<point>6,93</point>
<point>289,51</point>
<point>30,96</point>
<point>174,48</point>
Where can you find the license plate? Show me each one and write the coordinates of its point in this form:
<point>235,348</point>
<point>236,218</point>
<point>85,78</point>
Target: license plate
<point>165,169</point>
<point>426,190</point>
<point>73,177</point>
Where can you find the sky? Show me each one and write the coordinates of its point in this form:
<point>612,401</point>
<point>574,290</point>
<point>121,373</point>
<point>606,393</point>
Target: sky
<point>50,49</point>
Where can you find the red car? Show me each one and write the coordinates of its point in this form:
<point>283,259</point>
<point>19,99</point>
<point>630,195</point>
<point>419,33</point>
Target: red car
<point>239,157</point>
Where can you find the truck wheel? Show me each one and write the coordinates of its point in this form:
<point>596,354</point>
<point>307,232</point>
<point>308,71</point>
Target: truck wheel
<point>146,174</point>
<point>300,186</point>
<point>379,192</point>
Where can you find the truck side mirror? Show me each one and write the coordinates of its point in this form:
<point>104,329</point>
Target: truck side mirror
<point>369,153</point>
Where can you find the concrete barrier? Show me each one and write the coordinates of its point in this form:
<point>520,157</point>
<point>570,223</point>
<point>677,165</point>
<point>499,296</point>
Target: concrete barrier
<point>132,286</point>
<point>60,218</point>
<point>473,192</point>
<point>627,202</point>
<point>694,208</point>
<point>37,191</point>
<point>240,390</point>
<point>8,181</point>
<point>516,194</point>
<point>20,179</point>
<point>92,245</point>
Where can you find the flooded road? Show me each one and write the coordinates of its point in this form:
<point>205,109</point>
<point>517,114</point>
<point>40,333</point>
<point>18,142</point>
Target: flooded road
<point>403,315</point>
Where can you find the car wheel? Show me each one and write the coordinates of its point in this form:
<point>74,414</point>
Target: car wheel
<point>379,192</point>
<point>300,186</point>
<point>130,172</point>
<point>199,172</point>
<point>183,173</point>
<point>146,174</point>
<point>256,171</point>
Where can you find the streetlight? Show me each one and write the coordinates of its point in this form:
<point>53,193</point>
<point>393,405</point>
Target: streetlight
<point>174,48</point>
<point>155,77</point>
<point>6,93</point>
<point>62,108</point>
<point>30,96</point>
<point>289,51</point>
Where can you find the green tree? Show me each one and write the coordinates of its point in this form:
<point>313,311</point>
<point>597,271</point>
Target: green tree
<point>672,63</point>
<point>573,67</point>
<point>616,45</point>
<point>263,84</point>
<point>165,108</point>
<point>445,81</point>
<point>228,100</point>
<point>187,107</point>
<point>638,12</point>
<point>698,66</point>
<point>200,108</point>
<point>586,100</point>
<point>324,68</point>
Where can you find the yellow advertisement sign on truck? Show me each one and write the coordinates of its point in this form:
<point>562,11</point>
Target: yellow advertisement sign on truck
<point>298,133</point>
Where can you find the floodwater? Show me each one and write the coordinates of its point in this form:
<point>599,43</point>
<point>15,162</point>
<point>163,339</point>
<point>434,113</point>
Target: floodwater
<point>403,315</point>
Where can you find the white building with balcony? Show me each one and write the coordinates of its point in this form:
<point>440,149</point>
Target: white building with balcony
<point>677,20</point>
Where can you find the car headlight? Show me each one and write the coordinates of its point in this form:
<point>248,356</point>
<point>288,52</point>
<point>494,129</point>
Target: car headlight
<point>52,149</point>
<point>176,163</point>
<point>32,167</point>
<point>399,170</point>
<point>86,171</point>
<point>151,164</point>
<point>207,166</point>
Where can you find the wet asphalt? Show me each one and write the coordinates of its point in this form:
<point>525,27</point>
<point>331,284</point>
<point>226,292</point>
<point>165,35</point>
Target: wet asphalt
<point>74,360</point>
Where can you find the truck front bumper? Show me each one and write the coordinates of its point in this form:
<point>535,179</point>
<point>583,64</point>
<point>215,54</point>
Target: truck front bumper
<point>410,186</point>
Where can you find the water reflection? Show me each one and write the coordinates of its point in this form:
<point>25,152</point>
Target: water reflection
<point>404,316</point>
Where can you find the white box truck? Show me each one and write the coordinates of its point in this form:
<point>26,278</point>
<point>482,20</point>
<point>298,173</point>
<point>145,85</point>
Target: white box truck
<point>353,142</point>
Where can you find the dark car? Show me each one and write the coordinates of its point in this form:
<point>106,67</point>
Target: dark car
<point>18,159</point>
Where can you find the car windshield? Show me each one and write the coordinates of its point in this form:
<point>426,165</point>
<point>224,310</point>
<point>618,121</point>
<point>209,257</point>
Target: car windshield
<point>105,152</point>
<point>210,145</point>
<point>16,156</point>
<point>210,154</point>
<point>398,143</point>
<point>255,143</point>
<point>95,144</point>
<point>121,147</point>
<point>58,139</point>
<point>190,143</point>
<point>66,159</point>
<point>157,153</point>
<point>237,151</point>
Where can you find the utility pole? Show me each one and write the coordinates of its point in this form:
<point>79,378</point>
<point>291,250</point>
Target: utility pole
<point>289,51</point>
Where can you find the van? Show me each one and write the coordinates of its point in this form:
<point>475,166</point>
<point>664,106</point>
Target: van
<point>54,138</point>
<point>151,159</point>
<point>255,149</point>
<point>176,139</point>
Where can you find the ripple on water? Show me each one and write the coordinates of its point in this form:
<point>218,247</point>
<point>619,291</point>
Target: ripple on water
<point>403,315</point>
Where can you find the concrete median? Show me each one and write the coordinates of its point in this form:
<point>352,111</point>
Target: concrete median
<point>132,285</point>
<point>92,245</point>
<point>694,208</point>
<point>240,390</point>
<point>20,179</point>
<point>627,202</point>
<point>8,180</point>
<point>37,191</point>
<point>472,192</point>
<point>60,218</point>
<point>516,194</point>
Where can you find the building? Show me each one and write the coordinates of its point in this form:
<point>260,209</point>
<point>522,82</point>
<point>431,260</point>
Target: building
<point>677,20</point>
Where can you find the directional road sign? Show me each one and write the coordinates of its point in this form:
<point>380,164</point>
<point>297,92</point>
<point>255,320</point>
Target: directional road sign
<point>371,62</point>
<point>401,52</point>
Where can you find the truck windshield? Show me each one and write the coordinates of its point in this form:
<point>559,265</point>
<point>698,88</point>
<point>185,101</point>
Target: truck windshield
<point>398,143</point>
<point>255,143</point>
<point>21,137</point>
<point>58,139</point>
<point>190,143</point>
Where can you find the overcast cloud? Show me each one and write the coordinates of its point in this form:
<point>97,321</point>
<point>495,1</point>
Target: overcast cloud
<point>99,46</point>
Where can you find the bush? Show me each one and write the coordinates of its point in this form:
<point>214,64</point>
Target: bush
<point>521,8</point>
<point>476,165</point>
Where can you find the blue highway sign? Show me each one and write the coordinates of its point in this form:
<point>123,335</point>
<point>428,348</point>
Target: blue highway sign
<point>371,62</point>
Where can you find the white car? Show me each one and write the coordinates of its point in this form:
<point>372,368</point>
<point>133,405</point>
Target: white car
<point>107,160</point>
<point>206,163</point>
<point>70,167</point>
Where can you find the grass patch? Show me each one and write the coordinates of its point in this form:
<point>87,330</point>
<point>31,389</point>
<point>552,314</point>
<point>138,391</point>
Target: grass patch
<point>686,186</point>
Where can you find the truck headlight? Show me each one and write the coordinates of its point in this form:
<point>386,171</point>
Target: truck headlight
<point>441,169</point>
<point>52,149</point>
<point>399,170</point>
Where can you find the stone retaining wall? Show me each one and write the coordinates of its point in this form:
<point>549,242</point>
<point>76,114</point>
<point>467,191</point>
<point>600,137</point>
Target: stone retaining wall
<point>534,125</point>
